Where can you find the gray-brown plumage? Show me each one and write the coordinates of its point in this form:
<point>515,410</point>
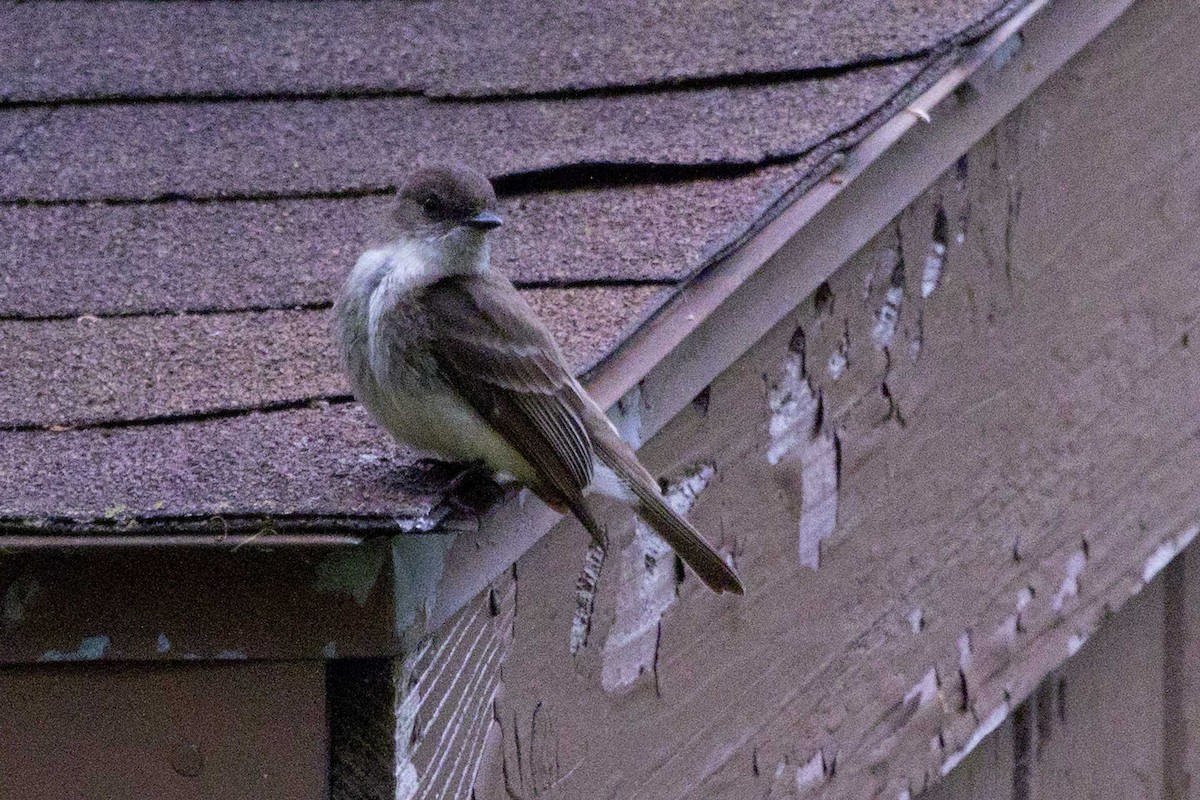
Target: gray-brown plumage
<point>447,355</point>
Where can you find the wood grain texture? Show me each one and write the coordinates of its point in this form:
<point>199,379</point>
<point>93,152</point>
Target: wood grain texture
<point>446,691</point>
<point>1099,727</point>
<point>1007,377</point>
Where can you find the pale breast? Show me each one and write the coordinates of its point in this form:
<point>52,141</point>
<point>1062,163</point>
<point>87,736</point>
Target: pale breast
<point>384,341</point>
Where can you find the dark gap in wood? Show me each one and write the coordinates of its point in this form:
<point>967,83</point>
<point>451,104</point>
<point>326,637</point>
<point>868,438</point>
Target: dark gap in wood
<point>1045,703</point>
<point>1022,752</point>
<point>1176,672</point>
<point>361,702</point>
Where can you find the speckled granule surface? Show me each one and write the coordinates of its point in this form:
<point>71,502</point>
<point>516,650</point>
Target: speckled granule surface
<point>450,48</point>
<point>257,148</point>
<point>98,259</point>
<point>178,208</point>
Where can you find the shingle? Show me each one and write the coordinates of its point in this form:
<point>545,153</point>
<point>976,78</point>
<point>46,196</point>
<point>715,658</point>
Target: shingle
<point>267,199</point>
<point>330,461</point>
<point>106,259</point>
<point>91,370</point>
<point>450,48</point>
<point>250,149</point>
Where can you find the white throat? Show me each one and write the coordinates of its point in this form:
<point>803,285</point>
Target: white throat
<point>411,262</point>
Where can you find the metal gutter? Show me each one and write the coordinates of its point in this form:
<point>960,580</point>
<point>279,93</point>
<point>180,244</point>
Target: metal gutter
<point>655,373</point>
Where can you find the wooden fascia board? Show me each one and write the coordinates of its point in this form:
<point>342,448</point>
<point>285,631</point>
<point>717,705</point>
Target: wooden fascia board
<point>721,313</point>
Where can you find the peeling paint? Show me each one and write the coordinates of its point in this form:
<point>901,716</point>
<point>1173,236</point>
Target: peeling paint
<point>1024,599</point>
<point>626,416</point>
<point>993,721</point>
<point>231,655</point>
<point>417,566</point>
<point>837,363</point>
<point>1076,643</point>
<point>19,595</point>
<point>916,620</point>
<point>646,591</point>
<point>585,598</point>
<point>164,644</point>
<point>408,780</point>
<point>91,648</point>
<point>792,431</point>
<point>925,690</point>
<point>1069,589</point>
<point>1167,551</point>
<point>811,775</point>
<point>794,410</point>
<point>935,259</point>
<point>329,650</point>
<point>353,570</point>
<point>886,317</point>
<point>964,649</point>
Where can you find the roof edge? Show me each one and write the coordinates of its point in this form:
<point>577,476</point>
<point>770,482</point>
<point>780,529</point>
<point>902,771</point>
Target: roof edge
<point>723,310</point>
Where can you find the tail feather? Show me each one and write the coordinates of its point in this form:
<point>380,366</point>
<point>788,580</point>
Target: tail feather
<point>649,504</point>
<point>685,540</point>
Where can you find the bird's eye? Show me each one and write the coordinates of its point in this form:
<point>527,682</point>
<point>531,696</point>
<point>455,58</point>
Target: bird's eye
<point>432,203</point>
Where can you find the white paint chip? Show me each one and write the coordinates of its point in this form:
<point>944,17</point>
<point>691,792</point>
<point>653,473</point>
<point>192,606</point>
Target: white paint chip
<point>990,724</point>
<point>793,406</point>
<point>931,270</point>
<point>837,364</point>
<point>585,598</point>
<point>916,620</point>
<point>794,409</point>
<point>1167,551</point>
<point>811,775</point>
<point>164,644</point>
<point>925,690</point>
<point>1075,643</point>
<point>964,650</point>
<point>887,316</point>
<point>647,590</point>
<point>1070,584</point>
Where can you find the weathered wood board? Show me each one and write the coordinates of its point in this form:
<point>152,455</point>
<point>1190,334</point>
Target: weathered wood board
<point>936,477</point>
<point>166,731</point>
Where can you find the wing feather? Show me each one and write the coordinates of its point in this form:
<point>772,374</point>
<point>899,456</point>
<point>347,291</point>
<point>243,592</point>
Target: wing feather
<point>494,351</point>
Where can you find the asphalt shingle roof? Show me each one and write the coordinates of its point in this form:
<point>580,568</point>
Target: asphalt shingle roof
<point>183,186</point>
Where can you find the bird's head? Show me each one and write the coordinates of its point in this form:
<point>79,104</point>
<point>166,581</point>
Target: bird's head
<point>445,201</point>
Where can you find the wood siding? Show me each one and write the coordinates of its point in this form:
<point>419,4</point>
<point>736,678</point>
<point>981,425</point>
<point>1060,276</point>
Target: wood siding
<point>1117,721</point>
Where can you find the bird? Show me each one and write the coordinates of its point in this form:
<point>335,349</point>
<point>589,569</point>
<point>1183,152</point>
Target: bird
<point>449,358</point>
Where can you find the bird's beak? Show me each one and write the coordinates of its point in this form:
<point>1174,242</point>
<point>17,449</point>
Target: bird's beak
<point>483,221</point>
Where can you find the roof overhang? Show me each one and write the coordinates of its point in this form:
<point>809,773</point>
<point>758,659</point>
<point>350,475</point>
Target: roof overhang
<point>720,313</point>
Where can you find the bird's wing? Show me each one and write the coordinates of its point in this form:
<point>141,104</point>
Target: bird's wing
<point>495,352</point>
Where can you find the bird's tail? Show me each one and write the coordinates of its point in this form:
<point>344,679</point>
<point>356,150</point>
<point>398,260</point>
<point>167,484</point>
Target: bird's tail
<point>639,490</point>
<point>685,540</point>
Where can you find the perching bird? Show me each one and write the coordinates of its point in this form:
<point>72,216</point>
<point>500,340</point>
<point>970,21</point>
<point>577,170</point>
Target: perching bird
<point>449,358</point>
